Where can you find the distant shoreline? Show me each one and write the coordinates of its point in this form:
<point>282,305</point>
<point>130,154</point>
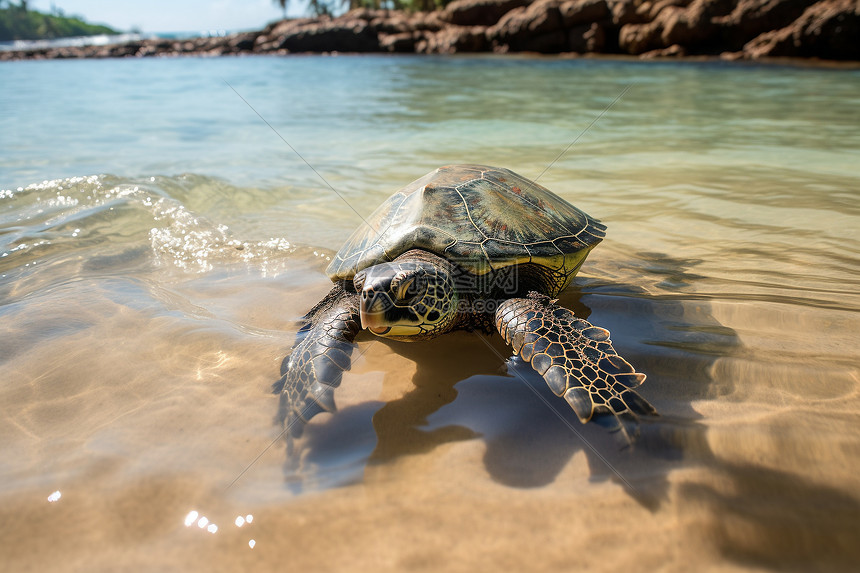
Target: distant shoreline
<point>819,33</point>
<point>20,23</point>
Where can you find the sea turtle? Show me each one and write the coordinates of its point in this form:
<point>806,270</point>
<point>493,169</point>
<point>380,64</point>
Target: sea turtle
<point>465,247</point>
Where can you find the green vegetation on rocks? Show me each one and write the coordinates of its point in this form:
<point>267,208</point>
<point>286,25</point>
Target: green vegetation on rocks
<point>18,22</point>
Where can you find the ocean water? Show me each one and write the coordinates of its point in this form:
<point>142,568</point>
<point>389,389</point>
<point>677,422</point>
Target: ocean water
<point>165,223</point>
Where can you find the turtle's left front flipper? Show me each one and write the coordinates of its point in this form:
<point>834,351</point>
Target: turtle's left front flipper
<point>318,360</point>
<point>575,358</point>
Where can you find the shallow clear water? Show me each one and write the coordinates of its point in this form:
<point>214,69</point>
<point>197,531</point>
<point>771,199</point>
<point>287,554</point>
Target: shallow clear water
<point>158,242</point>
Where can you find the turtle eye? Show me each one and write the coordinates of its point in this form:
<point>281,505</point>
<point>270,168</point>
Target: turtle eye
<point>406,288</point>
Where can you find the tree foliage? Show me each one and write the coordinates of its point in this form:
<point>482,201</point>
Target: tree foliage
<point>18,22</point>
<point>331,7</point>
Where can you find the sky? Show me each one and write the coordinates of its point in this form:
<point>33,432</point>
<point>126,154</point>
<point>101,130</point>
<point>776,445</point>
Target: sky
<point>174,15</point>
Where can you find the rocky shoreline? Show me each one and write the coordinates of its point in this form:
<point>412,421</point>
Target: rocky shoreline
<point>730,29</point>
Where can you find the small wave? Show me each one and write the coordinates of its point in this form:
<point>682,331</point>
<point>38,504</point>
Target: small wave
<point>66,218</point>
<point>76,41</point>
<point>191,244</point>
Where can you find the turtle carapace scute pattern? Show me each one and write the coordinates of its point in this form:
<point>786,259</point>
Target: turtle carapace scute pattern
<point>465,247</point>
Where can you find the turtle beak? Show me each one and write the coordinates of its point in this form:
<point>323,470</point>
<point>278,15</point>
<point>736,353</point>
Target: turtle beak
<point>372,311</point>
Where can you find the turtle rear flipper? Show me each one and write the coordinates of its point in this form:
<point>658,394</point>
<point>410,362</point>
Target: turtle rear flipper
<point>576,359</point>
<point>317,361</point>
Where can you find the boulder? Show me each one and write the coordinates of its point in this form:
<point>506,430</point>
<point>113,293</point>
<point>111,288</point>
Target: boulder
<point>648,11</point>
<point>287,26</point>
<point>241,42</point>
<point>639,38</point>
<point>452,39</point>
<point>478,12</point>
<point>324,35</point>
<point>751,18</point>
<point>124,50</point>
<point>537,28</point>
<point>626,12</point>
<point>394,23</point>
<point>427,21</point>
<point>403,42</point>
<point>691,26</point>
<point>828,29</point>
<point>589,38</point>
<point>578,12</point>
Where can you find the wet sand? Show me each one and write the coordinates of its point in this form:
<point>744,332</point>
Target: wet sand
<point>436,460</point>
<point>143,320</point>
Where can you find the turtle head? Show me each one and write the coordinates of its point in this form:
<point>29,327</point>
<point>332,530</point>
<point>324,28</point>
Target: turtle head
<point>406,300</point>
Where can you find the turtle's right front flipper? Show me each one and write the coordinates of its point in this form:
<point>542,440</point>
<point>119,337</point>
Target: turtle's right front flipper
<point>317,361</point>
<point>576,359</point>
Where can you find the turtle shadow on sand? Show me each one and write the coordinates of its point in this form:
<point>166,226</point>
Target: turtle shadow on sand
<point>750,514</point>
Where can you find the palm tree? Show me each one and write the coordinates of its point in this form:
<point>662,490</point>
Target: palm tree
<point>318,7</point>
<point>327,7</point>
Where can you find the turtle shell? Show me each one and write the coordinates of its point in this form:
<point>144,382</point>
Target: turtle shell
<point>482,218</point>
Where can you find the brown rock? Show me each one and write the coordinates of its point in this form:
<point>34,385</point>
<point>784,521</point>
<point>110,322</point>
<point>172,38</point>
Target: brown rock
<point>288,26</point>
<point>576,12</point>
<point>828,29</point>
<point>680,26</point>
<point>123,50</point>
<point>401,42</point>
<point>340,35</point>
<point>429,21</point>
<point>772,44</point>
<point>690,26</point>
<point>537,27</point>
<point>241,42</point>
<point>750,18</point>
<point>625,12</point>
<point>650,10</point>
<point>651,28</point>
<point>638,38</point>
<point>265,46</point>
<point>693,26</point>
<point>395,23</point>
<point>146,52</point>
<point>453,39</point>
<point>478,12</point>
<point>589,38</point>
<point>164,45</point>
<point>673,51</point>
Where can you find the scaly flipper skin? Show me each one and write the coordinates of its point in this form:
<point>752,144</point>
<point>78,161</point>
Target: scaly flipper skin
<point>575,358</point>
<point>317,361</point>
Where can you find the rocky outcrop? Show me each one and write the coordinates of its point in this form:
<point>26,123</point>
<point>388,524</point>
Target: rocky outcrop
<point>452,39</point>
<point>828,29</point>
<point>731,29</point>
<point>751,18</point>
<point>706,26</point>
<point>353,34</point>
<point>675,22</point>
<point>478,12</point>
<point>537,27</point>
